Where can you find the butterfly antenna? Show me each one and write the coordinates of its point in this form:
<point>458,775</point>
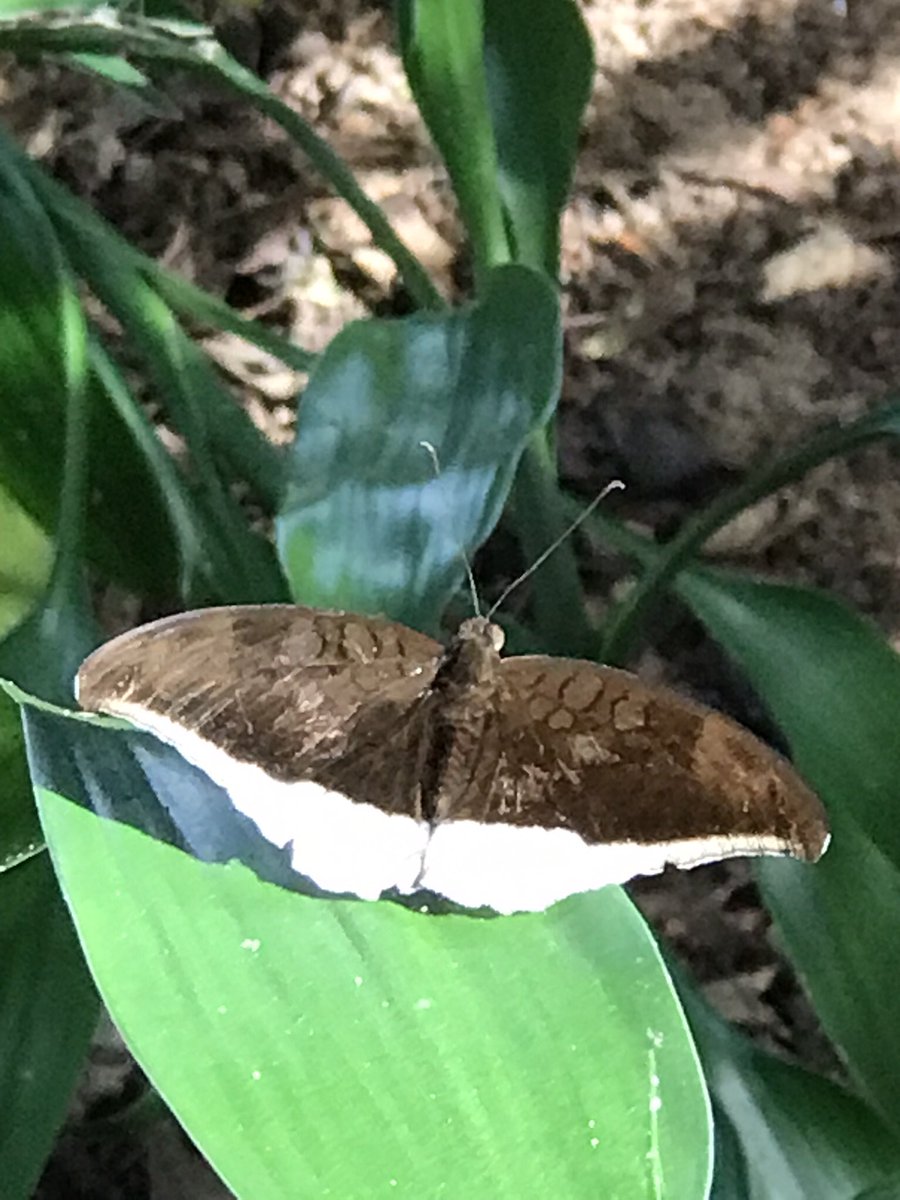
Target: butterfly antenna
<point>473,590</point>
<point>614,485</point>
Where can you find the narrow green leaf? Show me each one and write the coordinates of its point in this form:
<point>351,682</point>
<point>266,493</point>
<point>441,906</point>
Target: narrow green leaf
<point>366,524</point>
<point>34,290</point>
<point>542,1054</point>
<point>10,8</point>
<point>194,48</point>
<point>662,565</point>
<point>48,1010</point>
<point>241,562</point>
<point>184,297</point>
<point>24,571</point>
<point>539,68</point>
<point>443,53</point>
<point>116,70</point>
<point>833,686</point>
<point>20,831</point>
<point>730,1181</point>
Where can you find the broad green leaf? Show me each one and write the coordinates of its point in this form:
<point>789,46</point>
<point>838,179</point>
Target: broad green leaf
<point>443,53</point>
<point>367,524</point>
<point>833,686</point>
<point>783,1133</point>
<point>539,68</point>
<point>48,1010</point>
<point>128,533</point>
<point>542,1054</point>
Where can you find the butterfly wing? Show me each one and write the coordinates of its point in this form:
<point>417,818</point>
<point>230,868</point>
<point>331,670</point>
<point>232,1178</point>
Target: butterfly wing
<point>591,777</point>
<point>308,719</point>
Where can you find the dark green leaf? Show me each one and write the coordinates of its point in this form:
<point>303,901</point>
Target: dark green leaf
<point>129,535</point>
<point>366,525</point>
<point>48,1010</point>
<point>20,831</point>
<point>833,686</point>
<point>782,1132</point>
<point>889,1190</point>
<point>730,1180</point>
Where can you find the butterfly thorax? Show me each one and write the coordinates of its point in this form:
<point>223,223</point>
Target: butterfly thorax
<point>461,703</point>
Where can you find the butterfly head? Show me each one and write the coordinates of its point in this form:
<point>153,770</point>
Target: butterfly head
<point>471,657</point>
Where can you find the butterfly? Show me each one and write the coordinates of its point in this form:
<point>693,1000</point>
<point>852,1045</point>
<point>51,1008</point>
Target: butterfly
<point>386,761</point>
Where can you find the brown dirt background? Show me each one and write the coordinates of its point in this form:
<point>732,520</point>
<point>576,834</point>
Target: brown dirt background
<point>729,285</point>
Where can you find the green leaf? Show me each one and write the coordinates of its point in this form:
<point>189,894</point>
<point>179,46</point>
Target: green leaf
<point>455,1055</point>
<point>25,560</point>
<point>889,1190</point>
<point>20,831</point>
<point>783,1133</point>
<point>129,535</point>
<point>116,70</point>
<point>48,1010</point>
<point>238,560</point>
<point>366,524</point>
<point>27,7</point>
<point>443,53</point>
<point>539,67</point>
<point>833,686</point>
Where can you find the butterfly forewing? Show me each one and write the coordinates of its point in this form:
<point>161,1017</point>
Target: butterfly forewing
<point>308,719</point>
<point>594,749</point>
<point>275,684</point>
<point>618,779</point>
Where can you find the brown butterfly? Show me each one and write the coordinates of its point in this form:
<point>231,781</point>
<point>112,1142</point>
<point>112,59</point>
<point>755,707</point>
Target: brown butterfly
<point>387,761</point>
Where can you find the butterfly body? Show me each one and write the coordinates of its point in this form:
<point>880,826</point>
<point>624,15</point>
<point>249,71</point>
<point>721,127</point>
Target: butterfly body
<point>389,762</point>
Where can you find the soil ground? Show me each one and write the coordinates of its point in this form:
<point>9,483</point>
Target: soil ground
<point>730,284</point>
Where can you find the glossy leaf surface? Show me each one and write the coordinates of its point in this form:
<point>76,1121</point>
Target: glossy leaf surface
<point>367,524</point>
<point>550,1045</point>
<point>833,686</point>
